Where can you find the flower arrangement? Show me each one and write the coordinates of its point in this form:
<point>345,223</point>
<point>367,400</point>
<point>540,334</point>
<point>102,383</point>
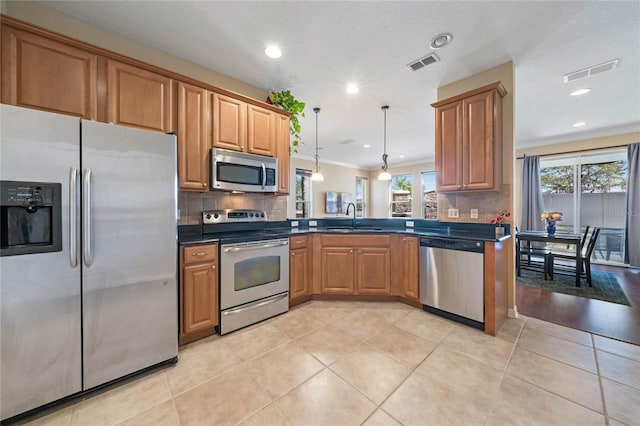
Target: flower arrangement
<point>500,218</point>
<point>551,217</point>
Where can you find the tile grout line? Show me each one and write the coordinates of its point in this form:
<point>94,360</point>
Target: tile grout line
<point>504,373</point>
<point>604,401</point>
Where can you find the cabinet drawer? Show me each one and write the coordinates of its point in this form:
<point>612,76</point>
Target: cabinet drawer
<point>298,242</point>
<point>197,254</point>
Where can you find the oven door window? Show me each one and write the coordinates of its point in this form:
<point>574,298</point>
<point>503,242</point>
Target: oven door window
<point>256,271</point>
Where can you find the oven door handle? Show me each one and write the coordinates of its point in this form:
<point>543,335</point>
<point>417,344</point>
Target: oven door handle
<point>248,248</point>
<point>257,304</point>
<point>73,217</point>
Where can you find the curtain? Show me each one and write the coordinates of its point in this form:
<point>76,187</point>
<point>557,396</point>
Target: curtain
<point>532,204</point>
<point>632,226</point>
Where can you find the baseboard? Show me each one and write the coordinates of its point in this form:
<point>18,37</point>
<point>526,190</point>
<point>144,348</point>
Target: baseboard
<point>512,313</point>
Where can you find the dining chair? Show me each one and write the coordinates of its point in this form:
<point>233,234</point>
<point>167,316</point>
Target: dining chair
<point>529,255</point>
<point>585,254</point>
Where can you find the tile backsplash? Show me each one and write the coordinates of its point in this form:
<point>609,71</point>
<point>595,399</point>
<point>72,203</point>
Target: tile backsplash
<point>191,204</point>
<point>489,204</point>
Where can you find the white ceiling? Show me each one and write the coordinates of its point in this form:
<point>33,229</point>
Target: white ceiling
<point>327,44</point>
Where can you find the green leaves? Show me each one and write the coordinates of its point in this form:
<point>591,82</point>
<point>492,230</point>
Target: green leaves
<point>287,101</point>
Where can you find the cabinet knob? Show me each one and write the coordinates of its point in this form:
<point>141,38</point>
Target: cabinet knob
<point>204,185</point>
<point>351,251</point>
<point>213,267</point>
<point>464,186</point>
<point>293,254</point>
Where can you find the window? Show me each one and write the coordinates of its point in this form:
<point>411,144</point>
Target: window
<point>589,189</point>
<point>401,195</point>
<point>429,196</point>
<point>361,196</point>
<point>303,193</point>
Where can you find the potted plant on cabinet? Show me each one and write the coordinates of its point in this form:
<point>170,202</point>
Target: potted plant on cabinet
<point>288,102</point>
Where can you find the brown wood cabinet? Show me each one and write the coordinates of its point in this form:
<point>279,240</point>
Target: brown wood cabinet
<point>261,133</point>
<point>198,292</point>
<point>356,264</point>
<point>194,137</point>
<point>283,140</point>
<point>49,75</point>
<point>468,146</point>
<point>299,270</point>
<point>404,270</point>
<point>229,123</point>
<point>139,98</point>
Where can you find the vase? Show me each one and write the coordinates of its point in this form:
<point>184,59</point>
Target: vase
<point>499,232</point>
<point>551,229</point>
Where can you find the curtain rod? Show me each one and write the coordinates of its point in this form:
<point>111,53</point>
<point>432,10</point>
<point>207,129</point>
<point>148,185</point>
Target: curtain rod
<point>577,150</point>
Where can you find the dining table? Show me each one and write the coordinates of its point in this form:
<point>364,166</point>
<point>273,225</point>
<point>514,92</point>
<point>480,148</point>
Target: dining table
<point>559,237</point>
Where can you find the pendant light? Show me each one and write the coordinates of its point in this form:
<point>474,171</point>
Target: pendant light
<point>385,175</point>
<point>317,176</point>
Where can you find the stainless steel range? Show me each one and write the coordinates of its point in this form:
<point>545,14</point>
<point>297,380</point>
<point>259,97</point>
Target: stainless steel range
<point>254,275</point>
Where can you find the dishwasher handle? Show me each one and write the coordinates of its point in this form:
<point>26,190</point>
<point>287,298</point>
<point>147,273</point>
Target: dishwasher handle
<point>475,246</point>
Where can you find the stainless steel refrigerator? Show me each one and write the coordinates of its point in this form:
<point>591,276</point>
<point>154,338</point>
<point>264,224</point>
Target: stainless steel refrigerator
<point>88,259</point>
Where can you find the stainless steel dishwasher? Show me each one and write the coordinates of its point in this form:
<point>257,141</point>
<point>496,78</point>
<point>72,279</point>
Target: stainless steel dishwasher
<point>452,279</point>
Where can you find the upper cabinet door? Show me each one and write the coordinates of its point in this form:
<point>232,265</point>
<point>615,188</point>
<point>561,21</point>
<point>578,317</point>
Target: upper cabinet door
<point>478,148</point>
<point>282,152</point>
<point>138,98</point>
<point>45,74</point>
<point>194,136</point>
<point>448,149</point>
<point>262,131</point>
<point>229,123</point>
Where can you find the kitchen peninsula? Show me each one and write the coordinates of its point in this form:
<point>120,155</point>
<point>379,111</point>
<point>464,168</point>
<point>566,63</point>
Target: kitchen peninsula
<point>377,259</point>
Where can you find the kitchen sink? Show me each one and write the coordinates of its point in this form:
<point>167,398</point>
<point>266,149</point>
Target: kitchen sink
<point>352,229</point>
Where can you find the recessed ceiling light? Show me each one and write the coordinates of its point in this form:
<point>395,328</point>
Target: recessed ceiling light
<point>440,41</point>
<point>367,146</point>
<point>352,88</point>
<point>273,51</point>
<point>579,124</point>
<point>580,92</point>
<point>401,155</point>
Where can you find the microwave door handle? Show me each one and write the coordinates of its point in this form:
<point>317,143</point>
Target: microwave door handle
<point>264,176</point>
<point>86,218</point>
<point>73,217</point>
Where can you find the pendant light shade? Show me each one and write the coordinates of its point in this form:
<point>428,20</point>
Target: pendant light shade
<point>385,175</point>
<point>317,176</point>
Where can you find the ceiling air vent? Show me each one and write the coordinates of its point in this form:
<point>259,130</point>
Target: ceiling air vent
<point>421,63</point>
<point>576,75</point>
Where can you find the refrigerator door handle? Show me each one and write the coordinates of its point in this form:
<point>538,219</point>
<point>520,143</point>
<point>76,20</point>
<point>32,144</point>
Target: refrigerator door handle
<point>73,217</point>
<point>86,218</point>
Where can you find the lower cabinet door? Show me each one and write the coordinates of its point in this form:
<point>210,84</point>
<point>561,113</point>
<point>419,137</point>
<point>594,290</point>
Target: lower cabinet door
<point>299,273</point>
<point>373,270</point>
<point>199,298</point>
<point>337,270</point>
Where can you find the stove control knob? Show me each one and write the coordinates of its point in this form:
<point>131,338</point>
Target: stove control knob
<point>250,214</point>
<point>262,214</point>
<point>216,215</point>
<point>208,216</point>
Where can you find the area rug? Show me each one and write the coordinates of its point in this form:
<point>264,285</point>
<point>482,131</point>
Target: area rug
<point>605,285</point>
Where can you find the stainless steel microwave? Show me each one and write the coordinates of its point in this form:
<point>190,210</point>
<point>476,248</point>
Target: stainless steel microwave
<point>237,171</point>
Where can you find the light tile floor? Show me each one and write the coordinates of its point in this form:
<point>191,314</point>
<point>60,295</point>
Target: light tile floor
<point>352,363</point>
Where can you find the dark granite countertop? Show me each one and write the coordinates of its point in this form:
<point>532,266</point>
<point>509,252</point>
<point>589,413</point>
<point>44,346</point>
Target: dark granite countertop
<point>199,234</point>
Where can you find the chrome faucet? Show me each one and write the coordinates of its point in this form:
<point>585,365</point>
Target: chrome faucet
<point>353,221</point>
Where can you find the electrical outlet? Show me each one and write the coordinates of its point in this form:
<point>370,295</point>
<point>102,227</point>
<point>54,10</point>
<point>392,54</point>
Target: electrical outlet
<point>294,223</point>
<point>453,213</point>
<point>474,213</point>
<point>313,223</point>
<point>409,224</point>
